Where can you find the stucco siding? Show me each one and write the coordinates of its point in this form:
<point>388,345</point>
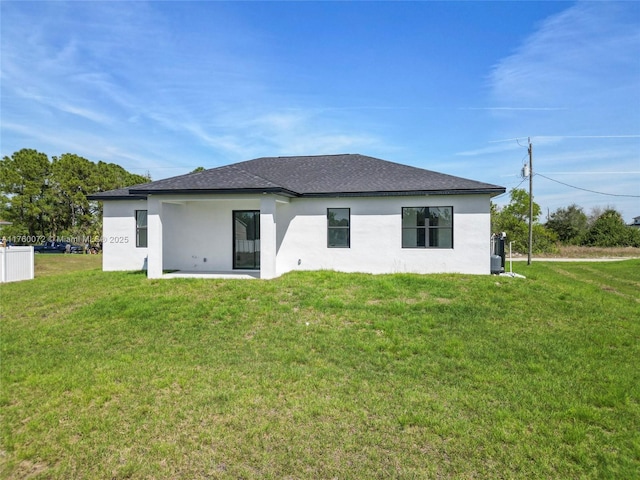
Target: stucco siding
<point>376,236</point>
<point>195,233</point>
<point>119,251</point>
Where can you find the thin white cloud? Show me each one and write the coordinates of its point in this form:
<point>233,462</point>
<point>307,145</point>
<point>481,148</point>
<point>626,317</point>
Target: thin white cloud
<point>565,137</point>
<point>504,147</point>
<point>571,56</point>
<point>137,79</point>
<point>126,82</point>
<point>515,109</point>
<point>65,106</point>
<point>119,66</point>
<point>587,60</point>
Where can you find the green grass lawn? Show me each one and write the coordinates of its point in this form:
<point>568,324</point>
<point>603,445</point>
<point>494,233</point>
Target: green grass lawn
<point>322,375</point>
<point>48,264</point>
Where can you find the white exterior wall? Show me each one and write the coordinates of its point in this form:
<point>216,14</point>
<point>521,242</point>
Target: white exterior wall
<point>195,233</point>
<point>155,236</point>
<point>268,236</point>
<point>119,250</point>
<point>376,236</point>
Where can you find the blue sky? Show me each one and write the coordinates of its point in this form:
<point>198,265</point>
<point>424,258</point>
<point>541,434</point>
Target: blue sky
<point>456,87</point>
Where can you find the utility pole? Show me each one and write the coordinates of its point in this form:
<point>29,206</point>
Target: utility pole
<point>530,202</point>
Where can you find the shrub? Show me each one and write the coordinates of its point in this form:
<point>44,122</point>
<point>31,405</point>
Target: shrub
<point>609,230</point>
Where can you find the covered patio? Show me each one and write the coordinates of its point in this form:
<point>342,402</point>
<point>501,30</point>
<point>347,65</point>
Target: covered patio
<point>212,236</point>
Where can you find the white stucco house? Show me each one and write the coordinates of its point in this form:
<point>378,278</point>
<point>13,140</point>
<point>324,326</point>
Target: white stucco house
<point>271,215</point>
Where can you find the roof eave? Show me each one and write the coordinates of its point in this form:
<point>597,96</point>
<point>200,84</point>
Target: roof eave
<point>221,191</point>
<point>99,197</point>
<point>406,193</point>
<point>143,194</point>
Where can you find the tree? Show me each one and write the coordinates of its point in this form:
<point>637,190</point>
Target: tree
<point>569,224</point>
<point>45,198</point>
<point>609,230</point>
<point>73,179</point>
<point>519,206</point>
<point>596,212</point>
<point>514,220</point>
<point>109,176</point>
<point>24,185</point>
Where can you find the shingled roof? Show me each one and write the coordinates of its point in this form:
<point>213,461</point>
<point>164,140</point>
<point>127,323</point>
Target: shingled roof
<point>311,176</point>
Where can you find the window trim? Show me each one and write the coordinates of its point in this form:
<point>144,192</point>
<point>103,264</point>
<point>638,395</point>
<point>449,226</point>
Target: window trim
<point>427,228</point>
<point>339,227</point>
<point>140,228</point>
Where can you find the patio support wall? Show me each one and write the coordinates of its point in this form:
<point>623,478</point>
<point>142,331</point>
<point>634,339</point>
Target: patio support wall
<point>267,236</point>
<point>154,232</point>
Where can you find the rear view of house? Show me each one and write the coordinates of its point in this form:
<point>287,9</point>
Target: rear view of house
<point>272,215</point>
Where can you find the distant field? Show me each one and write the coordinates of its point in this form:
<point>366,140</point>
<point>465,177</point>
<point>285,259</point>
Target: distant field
<point>321,374</point>
<point>591,252</point>
<point>598,252</point>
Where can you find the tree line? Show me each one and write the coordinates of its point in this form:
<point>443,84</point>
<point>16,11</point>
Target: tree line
<point>603,227</point>
<point>47,198</point>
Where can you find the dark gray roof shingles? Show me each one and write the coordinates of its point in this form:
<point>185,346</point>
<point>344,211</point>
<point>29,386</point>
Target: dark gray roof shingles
<point>316,175</point>
<point>119,194</point>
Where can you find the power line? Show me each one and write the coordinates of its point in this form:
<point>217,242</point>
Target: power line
<point>586,189</point>
<point>514,188</point>
<point>589,136</point>
<point>524,177</point>
<point>594,173</point>
<point>565,136</point>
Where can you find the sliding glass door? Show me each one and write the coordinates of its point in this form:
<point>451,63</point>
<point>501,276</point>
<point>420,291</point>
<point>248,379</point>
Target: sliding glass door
<point>246,239</point>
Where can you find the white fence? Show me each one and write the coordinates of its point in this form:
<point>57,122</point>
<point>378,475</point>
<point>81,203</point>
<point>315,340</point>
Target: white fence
<point>16,263</point>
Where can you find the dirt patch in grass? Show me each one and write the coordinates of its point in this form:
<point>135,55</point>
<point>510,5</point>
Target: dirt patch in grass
<point>444,301</point>
<point>27,469</point>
